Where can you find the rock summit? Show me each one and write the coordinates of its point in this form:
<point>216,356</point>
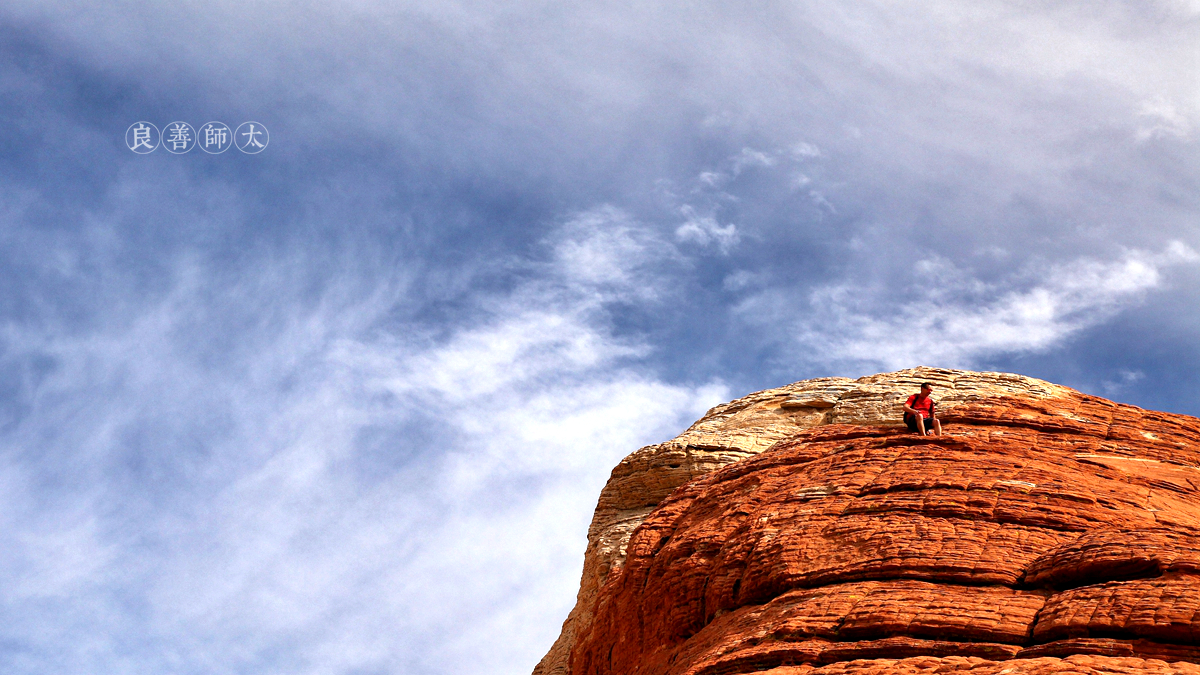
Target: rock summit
<point>804,530</point>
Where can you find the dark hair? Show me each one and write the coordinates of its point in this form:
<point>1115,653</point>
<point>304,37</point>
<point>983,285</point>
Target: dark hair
<point>926,385</point>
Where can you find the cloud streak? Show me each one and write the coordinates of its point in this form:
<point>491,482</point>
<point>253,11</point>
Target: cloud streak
<point>951,319</point>
<point>311,527</point>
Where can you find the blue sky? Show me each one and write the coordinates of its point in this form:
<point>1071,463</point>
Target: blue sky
<point>345,406</point>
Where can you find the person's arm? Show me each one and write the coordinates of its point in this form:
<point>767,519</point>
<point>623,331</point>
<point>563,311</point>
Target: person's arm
<point>909,409</point>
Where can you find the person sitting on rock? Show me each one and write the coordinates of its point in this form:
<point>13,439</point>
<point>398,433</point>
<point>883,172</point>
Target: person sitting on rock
<point>919,415</point>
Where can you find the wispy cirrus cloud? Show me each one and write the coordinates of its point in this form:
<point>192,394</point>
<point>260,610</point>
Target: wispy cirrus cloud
<point>950,318</point>
<point>299,505</point>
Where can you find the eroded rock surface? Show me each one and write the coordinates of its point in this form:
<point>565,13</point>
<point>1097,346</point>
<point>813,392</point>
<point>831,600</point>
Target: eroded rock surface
<point>802,530</point>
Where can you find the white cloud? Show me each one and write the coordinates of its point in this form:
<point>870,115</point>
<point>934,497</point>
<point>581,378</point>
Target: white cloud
<point>819,199</point>
<point>704,230</point>
<point>1159,118</point>
<point>344,498</point>
<point>749,157</point>
<point>739,280</point>
<point>953,319</point>
<point>1120,382</point>
<point>602,255</point>
<point>804,150</point>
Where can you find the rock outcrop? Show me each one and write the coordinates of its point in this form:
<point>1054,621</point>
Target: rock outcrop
<point>802,530</point>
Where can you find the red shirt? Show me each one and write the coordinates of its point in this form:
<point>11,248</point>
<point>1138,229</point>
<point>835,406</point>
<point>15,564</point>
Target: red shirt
<point>921,405</point>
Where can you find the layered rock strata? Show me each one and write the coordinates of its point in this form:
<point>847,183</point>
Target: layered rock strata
<point>799,530</point>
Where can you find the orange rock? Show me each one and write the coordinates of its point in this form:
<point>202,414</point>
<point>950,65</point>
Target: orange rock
<point>1048,532</point>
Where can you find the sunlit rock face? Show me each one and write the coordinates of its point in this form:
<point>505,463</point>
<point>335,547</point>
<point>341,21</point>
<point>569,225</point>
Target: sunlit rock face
<point>1048,531</point>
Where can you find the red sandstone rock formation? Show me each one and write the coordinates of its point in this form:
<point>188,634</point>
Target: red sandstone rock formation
<point>1048,532</point>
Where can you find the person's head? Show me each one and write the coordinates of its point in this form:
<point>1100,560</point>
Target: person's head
<point>926,389</point>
